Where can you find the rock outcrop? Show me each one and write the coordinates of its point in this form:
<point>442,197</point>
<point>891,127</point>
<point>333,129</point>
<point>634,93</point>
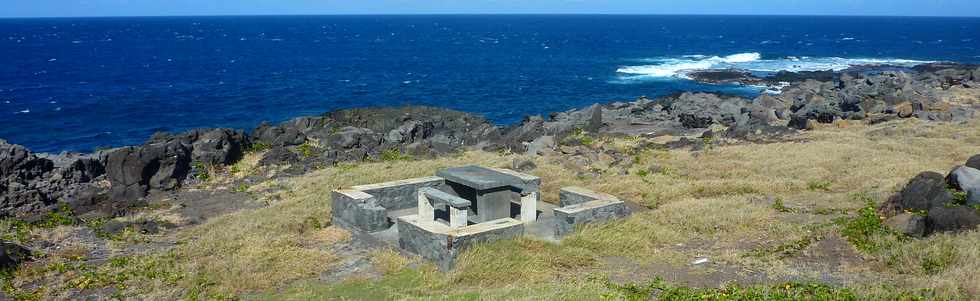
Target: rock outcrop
<point>943,203</point>
<point>109,181</point>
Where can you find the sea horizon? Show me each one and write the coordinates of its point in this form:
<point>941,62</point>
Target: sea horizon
<point>61,77</point>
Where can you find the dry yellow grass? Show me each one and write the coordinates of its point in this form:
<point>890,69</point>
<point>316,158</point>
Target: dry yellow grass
<point>713,202</point>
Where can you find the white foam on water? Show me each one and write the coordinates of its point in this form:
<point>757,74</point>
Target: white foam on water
<point>680,66</point>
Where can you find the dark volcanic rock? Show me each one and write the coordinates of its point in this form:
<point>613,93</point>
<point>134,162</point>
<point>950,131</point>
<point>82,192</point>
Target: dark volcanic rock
<point>19,162</point>
<point>973,162</point>
<point>695,122</point>
<point>725,76</point>
<point>791,77</point>
<point>161,164</point>
<point>278,155</point>
<point>24,188</point>
<point>908,224</point>
<point>942,219</point>
<point>217,146</point>
<point>278,135</point>
<point>925,191</point>
<point>12,255</point>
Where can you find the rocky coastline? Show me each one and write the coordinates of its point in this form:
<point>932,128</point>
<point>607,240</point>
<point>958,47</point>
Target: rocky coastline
<point>112,180</point>
<point>111,183</point>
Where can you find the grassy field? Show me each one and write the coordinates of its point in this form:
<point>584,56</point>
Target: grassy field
<point>786,220</point>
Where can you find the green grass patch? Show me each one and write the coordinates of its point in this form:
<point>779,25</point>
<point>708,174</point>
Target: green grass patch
<point>659,289</point>
<point>864,230</point>
<point>394,154</point>
<point>818,185</point>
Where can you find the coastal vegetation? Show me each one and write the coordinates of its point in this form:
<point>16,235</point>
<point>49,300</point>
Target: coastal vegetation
<point>790,219</point>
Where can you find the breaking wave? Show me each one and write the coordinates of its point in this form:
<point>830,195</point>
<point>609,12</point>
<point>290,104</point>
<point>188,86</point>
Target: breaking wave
<point>667,67</point>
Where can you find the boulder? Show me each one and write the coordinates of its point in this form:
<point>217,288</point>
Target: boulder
<point>158,165</point>
<point>926,190</point>
<point>958,218</point>
<point>903,110</point>
<point>24,181</point>
<point>218,146</point>
<point>907,224</point>
<point>523,165</point>
<point>19,162</point>
<point>693,121</point>
<point>277,135</point>
<point>278,155</point>
<point>800,122</point>
<point>966,179</point>
<point>541,145</point>
<point>973,162</point>
<point>83,170</point>
<point>12,255</point>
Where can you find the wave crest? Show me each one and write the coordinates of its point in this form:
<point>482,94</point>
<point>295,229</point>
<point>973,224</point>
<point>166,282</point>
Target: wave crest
<point>682,65</point>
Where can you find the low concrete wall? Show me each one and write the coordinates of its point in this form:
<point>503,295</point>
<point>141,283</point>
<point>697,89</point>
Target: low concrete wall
<point>574,195</point>
<point>442,245</point>
<point>401,194</point>
<point>356,210</point>
<point>567,218</point>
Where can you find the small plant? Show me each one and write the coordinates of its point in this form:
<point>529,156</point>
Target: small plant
<point>579,136</point>
<point>959,197</point>
<point>819,185</point>
<point>643,173</point>
<point>709,142</point>
<point>307,149</point>
<point>779,206</point>
<point>201,171</point>
<point>313,223</point>
<point>258,147</point>
<point>860,231</point>
<point>242,187</point>
<point>394,154</point>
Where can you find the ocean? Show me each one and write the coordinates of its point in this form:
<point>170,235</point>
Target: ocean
<point>78,84</point>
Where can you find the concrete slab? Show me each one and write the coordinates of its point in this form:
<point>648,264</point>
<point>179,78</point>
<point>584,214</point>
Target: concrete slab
<point>479,178</point>
<point>574,195</point>
<point>567,218</point>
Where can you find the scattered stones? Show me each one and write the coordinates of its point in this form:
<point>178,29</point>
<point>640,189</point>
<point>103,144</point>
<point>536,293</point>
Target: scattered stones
<point>933,195</point>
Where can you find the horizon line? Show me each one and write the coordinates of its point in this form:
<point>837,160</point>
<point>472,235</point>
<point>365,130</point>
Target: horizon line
<point>483,14</point>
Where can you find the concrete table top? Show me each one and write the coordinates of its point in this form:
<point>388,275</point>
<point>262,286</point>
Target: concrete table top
<point>479,178</point>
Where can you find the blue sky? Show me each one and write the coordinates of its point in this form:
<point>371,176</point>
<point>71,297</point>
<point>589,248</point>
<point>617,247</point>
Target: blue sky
<point>62,8</point>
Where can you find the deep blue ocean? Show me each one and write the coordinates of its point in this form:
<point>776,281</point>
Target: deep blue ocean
<point>80,84</point>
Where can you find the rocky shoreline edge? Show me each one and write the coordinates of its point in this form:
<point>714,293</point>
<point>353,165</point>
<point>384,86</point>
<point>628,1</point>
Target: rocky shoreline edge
<point>36,188</point>
<point>114,182</point>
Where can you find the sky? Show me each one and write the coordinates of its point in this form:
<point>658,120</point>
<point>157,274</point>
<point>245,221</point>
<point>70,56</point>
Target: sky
<point>78,8</point>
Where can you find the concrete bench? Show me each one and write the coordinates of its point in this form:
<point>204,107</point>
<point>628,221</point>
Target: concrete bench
<point>429,197</point>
